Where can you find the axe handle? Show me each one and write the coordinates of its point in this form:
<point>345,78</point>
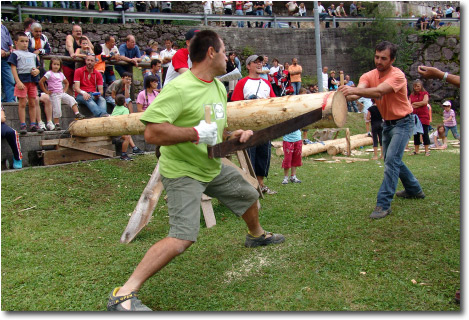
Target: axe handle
<point>208,115</point>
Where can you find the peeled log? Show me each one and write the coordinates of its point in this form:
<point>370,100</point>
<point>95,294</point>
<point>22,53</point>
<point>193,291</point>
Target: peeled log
<point>246,114</point>
<point>311,149</point>
<point>342,148</point>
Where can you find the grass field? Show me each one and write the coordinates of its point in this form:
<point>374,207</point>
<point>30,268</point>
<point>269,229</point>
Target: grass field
<point>61,228</point>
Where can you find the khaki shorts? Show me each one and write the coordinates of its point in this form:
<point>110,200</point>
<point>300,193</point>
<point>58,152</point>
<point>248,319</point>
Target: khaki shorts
<point>185,193</point>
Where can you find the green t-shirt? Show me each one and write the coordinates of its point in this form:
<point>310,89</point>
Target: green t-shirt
<point>119,110</point>
<point>182,103</point>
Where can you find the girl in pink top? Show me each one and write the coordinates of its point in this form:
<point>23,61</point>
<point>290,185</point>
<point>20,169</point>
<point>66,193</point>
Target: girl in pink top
<point>449,120</point>
<point>55,89</point>
<point>149,94</point>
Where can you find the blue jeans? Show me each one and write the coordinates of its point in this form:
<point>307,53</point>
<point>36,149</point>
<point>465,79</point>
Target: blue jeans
<point>65,4</point>
<point>296,87</point>
<point>47,4</point>
<point>8,83</point>
<point>259,13</point>
<point>395,139</point>
<point>97,105</point>
<point>240,23</point>
<point>454,129</point>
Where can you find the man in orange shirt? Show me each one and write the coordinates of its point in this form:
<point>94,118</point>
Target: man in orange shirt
<point>388,86</point>
<point>295,71</point>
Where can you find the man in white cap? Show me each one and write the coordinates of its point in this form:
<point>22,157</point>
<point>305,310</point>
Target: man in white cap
<point>254,87</point>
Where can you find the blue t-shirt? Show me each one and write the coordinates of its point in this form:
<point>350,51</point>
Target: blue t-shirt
<point>129,53</point>
<point>293,136</point>
<point>24,62</point>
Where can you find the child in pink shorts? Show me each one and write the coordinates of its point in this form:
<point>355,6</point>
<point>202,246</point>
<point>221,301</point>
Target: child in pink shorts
<point>292,148</point>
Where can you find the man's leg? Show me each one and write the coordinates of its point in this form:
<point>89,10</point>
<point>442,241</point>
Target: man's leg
<point>8,82</point>
<point>90,104</point>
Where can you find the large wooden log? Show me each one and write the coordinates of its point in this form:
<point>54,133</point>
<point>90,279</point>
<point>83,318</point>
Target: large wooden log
<point>247,114</point>
<point>316,148</point>
<point>342,148</point>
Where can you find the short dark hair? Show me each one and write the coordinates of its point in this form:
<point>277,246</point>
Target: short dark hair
<point>387,45</point>
<point>154,62</point>
<point>108,38</point>
<point>200,44</point>
<point>120,100</point>
<point>127,74</point>
<point>19,34</point>
<point>27,23</point>
<point>97,48</point>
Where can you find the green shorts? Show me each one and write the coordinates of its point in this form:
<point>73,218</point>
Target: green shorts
<point>185,193</point>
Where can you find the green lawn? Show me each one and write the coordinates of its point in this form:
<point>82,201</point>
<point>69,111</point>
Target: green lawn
<point>61,228</point>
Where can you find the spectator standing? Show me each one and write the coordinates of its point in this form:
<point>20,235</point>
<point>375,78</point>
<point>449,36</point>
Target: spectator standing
<point>301,12</point>
<point>325,79</point>
<point>207,7</point>
<point>239,12</point>
<point>248,8</point>
<point>228,5</point>
<point>88,85</point>
<point>253,87</point>
<point>167,55</point>
<point>25,70</point>
<point>128,52</point>
<point>292,148</point>
<point>181,61</point>
<point>141,6</point>
<point>259,9</point>
<point>419,101</point>
<point>72,43</point>
<point>268,10</point>
<point>276,74</point>
<point>166,8</point>
<point>230,66</point>
<point>322,12</point>
<point>32,4</point>
<point>218,7</point>
<point>449,11</point>
<point>340,11</point>
<point>332,83</point>
<point>102,7</point>
<point>353,9</point>
<point>148,94</point>
<point>388,85</point>
<point>119,110</point>
<point>57,86</point>
<point>292,8</point>
<point>154,7</point>
<point>8,82</point>
<point>75,5</point>
<point>121,86</point>
<point>449,120</point>
<point>90,5</point>
<point>47,4</point>
<point>351,105</point>
<point>295,71</point>
<point>109,52</point>
<point>374,117</point>
<point>13,140</point>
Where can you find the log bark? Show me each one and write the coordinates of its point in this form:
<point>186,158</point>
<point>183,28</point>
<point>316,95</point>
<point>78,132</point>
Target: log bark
<point>247,115</point>
<point>316,148</point>
<point>342,148</point>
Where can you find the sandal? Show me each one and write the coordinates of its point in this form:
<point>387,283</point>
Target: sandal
<point>413,154</point>
<point>427,154</point>
<point>114,302</point>
<point>263,240</point>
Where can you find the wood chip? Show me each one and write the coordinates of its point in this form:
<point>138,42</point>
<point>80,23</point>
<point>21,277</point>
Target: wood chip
<point>413,281</point>
<point>320,159</point>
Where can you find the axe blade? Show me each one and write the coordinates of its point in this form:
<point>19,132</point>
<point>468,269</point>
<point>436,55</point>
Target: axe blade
<point>262,136</point>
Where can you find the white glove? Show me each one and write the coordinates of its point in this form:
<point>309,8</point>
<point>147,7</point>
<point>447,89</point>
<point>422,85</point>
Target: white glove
<point>207,133</point>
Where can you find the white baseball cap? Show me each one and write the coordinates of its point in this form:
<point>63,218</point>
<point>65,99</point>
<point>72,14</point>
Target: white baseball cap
<point>447,103</point>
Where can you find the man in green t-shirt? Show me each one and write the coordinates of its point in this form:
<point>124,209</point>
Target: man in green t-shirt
<point>174,121</point>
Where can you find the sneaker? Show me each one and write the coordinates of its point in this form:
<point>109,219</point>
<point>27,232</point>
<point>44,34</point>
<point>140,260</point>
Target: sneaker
<point>307,141</point>
<point>114,302</point>
<point>57,127</point>
<point>17,164</point>
<point>295,180</point>
<point>405,195</point>
<point>137,151</point>
<point>265,189</point>
<point>285,180</point>
<point>35,128</point>
<point>79,116</point>
<point>42,125</point>
<point>23,129</point>
<point>263,240</point>
<point>126,158</point>
<point>369,134</point>
<point>379,213</point>
<point>50,126</point>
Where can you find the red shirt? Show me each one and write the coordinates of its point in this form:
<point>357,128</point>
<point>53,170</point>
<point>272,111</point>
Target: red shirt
<point>89,82</point>
<point>180,59</point>
<point>423,113</point>
<point>249,86</point>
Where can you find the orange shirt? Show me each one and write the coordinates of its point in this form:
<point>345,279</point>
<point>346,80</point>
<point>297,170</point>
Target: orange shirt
<point>100,64</point>
<point>394,105</point>
<point>296,77</point>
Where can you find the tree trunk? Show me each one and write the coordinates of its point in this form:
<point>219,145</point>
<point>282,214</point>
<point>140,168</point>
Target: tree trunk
<point>342,148</point>
<point>246,114</point>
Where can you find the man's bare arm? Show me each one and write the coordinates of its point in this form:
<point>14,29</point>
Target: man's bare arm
<point>166,134</point>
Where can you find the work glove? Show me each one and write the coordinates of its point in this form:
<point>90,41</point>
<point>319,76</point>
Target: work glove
<point>206,133</point>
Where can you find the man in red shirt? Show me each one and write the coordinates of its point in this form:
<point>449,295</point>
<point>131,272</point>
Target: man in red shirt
<point>88,86</point>
<point>254,87</point>
<point>180,62</point>
<point>388,86</point>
